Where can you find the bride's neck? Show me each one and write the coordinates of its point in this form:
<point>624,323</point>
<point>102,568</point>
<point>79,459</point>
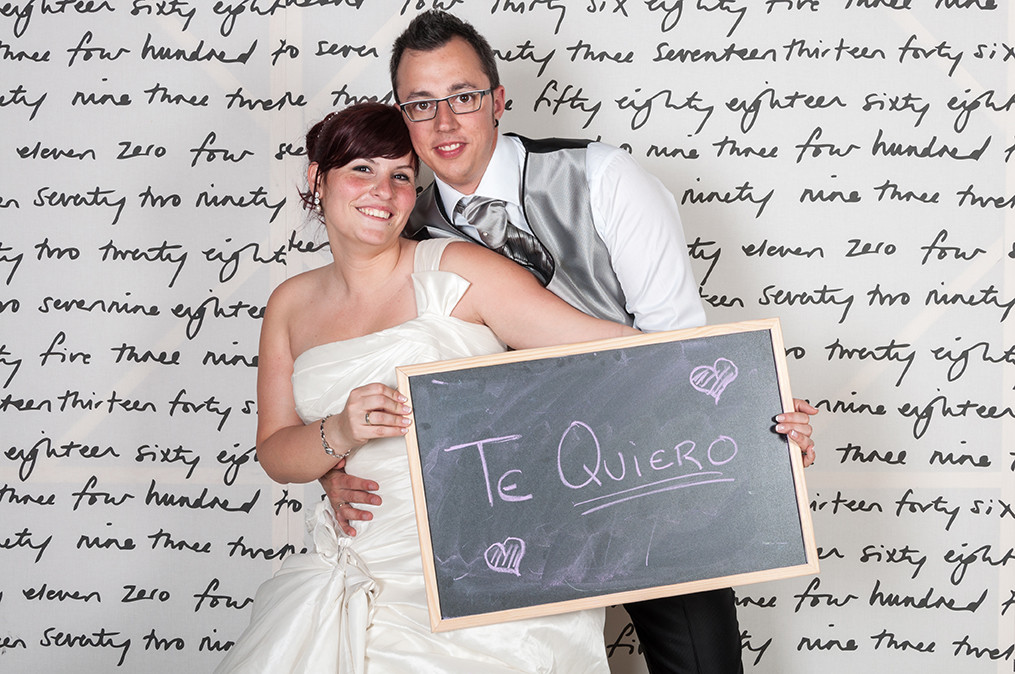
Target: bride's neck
<point>364,273</point>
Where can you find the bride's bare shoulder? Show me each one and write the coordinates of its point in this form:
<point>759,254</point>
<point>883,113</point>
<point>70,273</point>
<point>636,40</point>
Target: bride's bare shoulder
<point>295,292</point>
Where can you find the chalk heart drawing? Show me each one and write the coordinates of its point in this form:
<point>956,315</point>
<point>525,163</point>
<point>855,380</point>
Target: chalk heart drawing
<point>506,557</point>
<point>713,379</point>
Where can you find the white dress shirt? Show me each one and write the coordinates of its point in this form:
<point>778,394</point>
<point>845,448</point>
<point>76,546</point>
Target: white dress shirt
<point>634,215</point>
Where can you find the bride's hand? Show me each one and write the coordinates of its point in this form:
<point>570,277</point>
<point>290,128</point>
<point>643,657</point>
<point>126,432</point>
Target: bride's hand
<point>372,411</point>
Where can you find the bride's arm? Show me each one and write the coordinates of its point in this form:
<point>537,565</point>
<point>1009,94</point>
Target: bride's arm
<point>508,299</point>
<point>289,450</point>
<point>519,310</point>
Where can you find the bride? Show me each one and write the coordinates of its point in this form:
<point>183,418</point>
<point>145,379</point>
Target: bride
<point>330,341</point>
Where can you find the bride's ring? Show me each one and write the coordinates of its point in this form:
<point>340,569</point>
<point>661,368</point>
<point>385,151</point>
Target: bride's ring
<point>340,504</point>
<point>367,419</point>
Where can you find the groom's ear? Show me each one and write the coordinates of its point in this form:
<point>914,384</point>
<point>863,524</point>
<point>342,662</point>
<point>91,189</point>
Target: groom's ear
<point>499,97</point>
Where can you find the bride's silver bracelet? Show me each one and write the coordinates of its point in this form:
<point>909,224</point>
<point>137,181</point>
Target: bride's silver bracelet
<point>327,448</point>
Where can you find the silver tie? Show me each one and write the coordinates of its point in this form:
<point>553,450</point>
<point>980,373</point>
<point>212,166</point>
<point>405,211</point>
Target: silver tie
<point>489,217</point>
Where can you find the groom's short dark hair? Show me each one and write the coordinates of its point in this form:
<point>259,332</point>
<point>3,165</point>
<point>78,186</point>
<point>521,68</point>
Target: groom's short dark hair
<point>432,30</point>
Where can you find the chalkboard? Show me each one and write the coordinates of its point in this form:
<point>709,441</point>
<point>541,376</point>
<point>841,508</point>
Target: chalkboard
<point>551,480</point>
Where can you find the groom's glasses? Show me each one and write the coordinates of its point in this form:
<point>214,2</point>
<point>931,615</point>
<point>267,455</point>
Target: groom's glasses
<point>461,103</point>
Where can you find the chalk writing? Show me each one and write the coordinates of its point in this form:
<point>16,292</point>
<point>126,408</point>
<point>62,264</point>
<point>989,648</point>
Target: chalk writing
<point>713,379</point>
<point>505,557</point>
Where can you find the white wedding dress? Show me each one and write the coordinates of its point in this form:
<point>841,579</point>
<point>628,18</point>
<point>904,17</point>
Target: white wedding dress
<point>357,605</point>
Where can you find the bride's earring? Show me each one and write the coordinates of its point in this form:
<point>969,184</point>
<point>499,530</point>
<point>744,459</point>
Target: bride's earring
<point>317,201</point>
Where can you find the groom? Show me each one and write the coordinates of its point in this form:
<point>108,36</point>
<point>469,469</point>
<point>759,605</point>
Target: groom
<point>587,221</point>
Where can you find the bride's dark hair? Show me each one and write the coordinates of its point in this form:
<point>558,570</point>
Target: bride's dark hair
<point>361,131</point>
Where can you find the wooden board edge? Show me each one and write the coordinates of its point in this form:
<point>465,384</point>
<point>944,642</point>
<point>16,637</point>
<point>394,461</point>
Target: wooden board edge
<point>796,458</point>
<point>588,347</point>
<point>420,510</point>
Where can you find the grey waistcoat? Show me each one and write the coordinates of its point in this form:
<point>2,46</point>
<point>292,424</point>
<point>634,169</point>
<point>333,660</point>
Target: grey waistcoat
<point>555,199</point>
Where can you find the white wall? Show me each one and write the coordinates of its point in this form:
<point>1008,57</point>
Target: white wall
<point>913,491</point>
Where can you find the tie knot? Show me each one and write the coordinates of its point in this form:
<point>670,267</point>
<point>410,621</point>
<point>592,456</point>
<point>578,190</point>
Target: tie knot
<point>477,209</point>
<point>488,216</point>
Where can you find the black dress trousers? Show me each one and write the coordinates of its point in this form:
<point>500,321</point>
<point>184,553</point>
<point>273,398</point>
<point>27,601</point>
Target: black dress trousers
<point>689,634</point>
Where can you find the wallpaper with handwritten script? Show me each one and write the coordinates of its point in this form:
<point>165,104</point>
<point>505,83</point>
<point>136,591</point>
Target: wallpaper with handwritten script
<point>841,164</point>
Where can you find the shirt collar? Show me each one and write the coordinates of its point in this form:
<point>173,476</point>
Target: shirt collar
<point>501,180</point>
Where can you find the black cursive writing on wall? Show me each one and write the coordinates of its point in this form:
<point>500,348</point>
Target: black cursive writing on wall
<point>830,169</point>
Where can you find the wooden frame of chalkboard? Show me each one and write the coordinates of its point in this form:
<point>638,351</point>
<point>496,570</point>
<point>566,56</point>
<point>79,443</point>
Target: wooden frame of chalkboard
<point>570,477</point>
